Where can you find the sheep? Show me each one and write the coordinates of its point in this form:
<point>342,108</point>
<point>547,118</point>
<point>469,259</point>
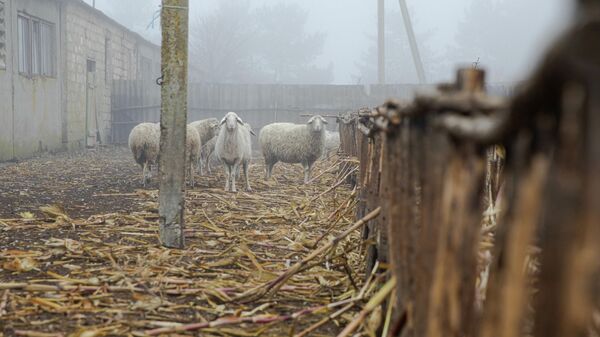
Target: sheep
<point>207,130</point>
<point>332,143</point>
<point>206,152</point>
<point>192,150</point>
<point>293,143</point>
<point>247,134</point>
<point>233,148</point>
<point>144,141</point>
<point>208,148</point>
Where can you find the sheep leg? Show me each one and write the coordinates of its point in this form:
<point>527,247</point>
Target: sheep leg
<point>248,188</point>
<point>150,171</point>
<point>192,174</point>
<point>307,167</point>
<point>269,170</point>
<point>226,167</point>
<point>234,172</point>
<point>207,163</point>
<point>310,167</point>
<point>144,175</point>
<point>200,166</point>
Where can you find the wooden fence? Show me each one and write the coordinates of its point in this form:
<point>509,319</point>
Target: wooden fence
<point>472,258</point>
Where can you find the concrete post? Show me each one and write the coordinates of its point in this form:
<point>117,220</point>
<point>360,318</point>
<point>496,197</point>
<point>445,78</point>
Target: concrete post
<point>381,41</point>
<point>412,40</point>
<point>173,120</point>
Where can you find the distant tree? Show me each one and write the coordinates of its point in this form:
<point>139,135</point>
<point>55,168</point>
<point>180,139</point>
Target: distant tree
<point>244,45</point>
<point>399,64</point>
<point>287,52</point>
<point>221,44</point>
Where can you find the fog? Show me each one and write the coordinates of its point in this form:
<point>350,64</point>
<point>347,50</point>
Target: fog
<point>334,41</point>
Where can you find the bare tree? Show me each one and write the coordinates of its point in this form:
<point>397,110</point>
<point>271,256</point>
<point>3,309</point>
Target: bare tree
<point>239,44</point>
<point>287,51</point>
<point>398,60</point>
<point>221,43</point>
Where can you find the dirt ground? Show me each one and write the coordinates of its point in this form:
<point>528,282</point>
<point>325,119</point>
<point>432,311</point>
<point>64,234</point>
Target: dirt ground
<point>79,252</point>
<point>74,181</point>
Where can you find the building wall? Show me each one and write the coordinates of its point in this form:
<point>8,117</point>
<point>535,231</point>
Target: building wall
<point>50,113</point>
<point>6,121</point>
<point>118,55</point>
<point>30,112</point>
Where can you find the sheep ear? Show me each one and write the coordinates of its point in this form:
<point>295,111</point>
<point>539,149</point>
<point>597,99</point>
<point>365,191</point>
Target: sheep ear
<point>239,120</point>
<point>223,121</point>
<point>252,132</point>
<point>324,120</point>
<point>312,119</point>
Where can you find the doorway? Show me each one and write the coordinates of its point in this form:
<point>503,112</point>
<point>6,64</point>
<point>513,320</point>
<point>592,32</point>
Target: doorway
<point>92,133</point>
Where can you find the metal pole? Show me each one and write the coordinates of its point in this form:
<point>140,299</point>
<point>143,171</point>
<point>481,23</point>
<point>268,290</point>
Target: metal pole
<point>173,120</point>
<point>414,48</point>
<point>381,41</point>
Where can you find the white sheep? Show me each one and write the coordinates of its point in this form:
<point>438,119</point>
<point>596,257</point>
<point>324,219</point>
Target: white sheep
<point>233,148</point>
<point>207,130</point>
<point>293,143</point>
<point>144,142</point>
<point>206,153</point>
<point>248,135</point>
<point>332,143</point>
<point>192,150</point>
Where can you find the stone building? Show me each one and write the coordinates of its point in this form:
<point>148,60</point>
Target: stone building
<point>58,60</point>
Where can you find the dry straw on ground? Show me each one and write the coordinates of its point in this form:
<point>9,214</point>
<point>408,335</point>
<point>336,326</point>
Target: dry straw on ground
<point>87,271</point>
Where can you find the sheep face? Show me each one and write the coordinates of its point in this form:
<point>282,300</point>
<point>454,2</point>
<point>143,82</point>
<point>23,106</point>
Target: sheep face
<point>214,126</point>
<point>231,121</point>
<point>316,123</point>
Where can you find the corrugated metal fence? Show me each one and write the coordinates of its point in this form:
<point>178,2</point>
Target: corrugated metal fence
<point>134,102</point>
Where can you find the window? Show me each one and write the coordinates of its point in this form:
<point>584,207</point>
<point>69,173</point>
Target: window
<point>2,35</point>
<point>24,45</point>
<point>36,46</point>
<point>47,48</point>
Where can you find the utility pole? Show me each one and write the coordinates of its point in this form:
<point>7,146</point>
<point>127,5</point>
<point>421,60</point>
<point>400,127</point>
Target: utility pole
<point>414,48</point>
<point>381,41</point>
<point>173,121</point>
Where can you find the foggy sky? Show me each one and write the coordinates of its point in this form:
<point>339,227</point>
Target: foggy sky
<point>350,26</point>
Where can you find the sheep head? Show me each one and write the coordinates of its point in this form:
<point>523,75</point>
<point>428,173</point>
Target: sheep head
<point>231,121</point>
<point>316,123</point>
<point>214,125</point>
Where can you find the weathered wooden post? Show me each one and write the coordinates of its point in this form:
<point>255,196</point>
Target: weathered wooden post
<point>173,119</point>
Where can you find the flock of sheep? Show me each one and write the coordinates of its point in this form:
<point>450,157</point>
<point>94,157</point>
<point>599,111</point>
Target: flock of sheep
<point>230,143</point>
